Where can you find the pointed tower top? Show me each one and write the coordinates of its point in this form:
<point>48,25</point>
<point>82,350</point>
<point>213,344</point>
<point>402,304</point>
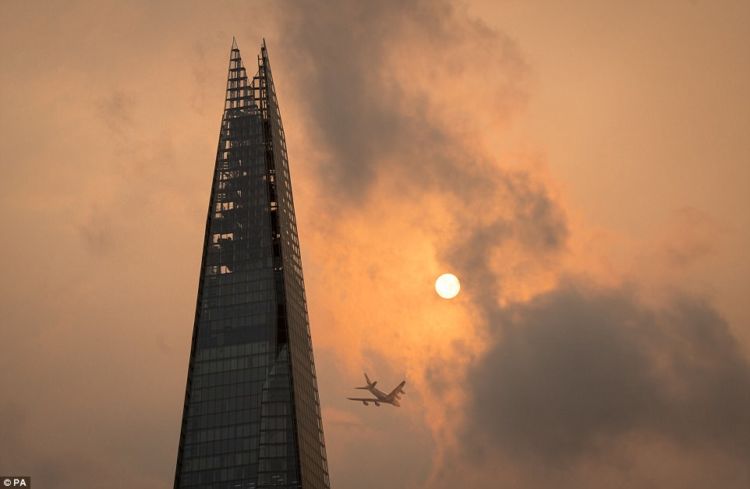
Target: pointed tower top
<point>264,53</point>
<point>238,96</point>
<point>234,54</point>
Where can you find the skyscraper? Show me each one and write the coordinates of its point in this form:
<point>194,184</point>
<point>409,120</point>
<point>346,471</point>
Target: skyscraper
<point>251,417</point>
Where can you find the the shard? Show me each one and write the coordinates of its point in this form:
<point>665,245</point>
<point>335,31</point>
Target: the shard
<point>251,417</point>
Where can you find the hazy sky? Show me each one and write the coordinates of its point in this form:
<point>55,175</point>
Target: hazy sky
<point>583,167</point>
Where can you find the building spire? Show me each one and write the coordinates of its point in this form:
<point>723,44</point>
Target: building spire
<point>238,95</point>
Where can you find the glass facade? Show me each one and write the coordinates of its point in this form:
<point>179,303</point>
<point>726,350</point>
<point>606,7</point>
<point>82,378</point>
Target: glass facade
<point>251,417</point>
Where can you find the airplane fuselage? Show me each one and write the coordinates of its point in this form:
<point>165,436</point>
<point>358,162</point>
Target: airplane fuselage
<point>378,393</point>
<point>383,397</point>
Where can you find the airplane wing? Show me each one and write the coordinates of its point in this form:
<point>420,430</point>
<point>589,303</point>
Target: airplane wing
<point>398,390</point>
<point>366,400</point>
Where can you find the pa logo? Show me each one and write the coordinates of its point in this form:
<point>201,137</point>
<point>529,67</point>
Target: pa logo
<point>16,482</point>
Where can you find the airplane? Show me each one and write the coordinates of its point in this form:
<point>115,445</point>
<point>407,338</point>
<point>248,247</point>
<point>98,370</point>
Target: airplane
<point>380,396</point>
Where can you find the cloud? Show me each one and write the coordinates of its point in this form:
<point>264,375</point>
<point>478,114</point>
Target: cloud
<point>575,371</point>
<point>383,88</point>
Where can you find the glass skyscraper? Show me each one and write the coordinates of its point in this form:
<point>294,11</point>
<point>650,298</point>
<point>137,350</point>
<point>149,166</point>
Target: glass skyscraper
<point>251,417</point>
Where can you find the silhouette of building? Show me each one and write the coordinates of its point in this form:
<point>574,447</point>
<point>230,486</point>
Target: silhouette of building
<point>251,417</point>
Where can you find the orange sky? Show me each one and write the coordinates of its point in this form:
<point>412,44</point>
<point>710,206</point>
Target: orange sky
<point>583,168</point>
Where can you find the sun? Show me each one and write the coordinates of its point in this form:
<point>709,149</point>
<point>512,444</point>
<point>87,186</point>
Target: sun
<point>447,286</point>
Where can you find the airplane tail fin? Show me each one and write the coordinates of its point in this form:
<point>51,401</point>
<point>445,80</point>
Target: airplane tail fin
<point>369,383</point>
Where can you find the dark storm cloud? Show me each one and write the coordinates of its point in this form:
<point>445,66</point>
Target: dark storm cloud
<point>340,58</point>
<point>348,59</point>
<point>575,369</point>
